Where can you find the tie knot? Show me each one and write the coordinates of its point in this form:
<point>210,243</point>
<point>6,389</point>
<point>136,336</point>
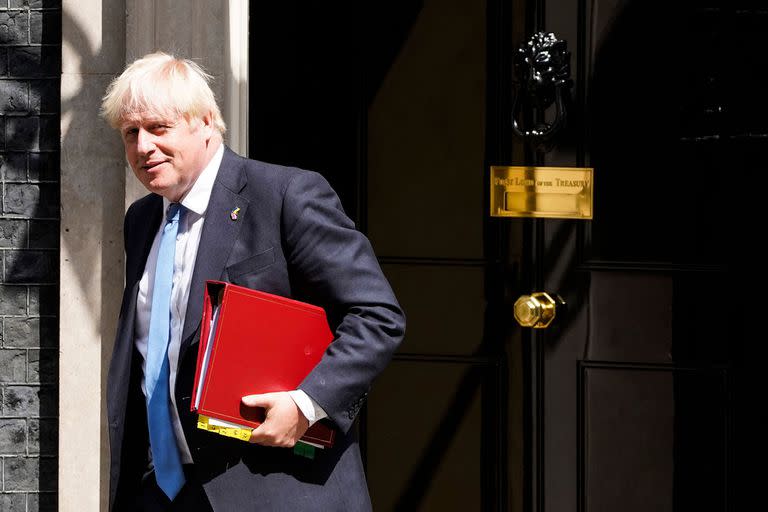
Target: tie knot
<point>175,211</point>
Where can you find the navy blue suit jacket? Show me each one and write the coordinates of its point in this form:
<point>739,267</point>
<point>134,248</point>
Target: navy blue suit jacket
<point>291,238</point>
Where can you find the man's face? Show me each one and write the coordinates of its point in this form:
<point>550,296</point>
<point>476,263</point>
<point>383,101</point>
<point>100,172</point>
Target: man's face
<point>166,153</point>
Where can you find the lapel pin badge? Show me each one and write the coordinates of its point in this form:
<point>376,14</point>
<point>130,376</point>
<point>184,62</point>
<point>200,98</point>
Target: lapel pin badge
<point>233,213</point>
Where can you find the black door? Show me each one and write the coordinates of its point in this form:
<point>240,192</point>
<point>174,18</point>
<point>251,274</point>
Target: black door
<point>636,399</point>
<point>640,399</point>
<point>390,101</point>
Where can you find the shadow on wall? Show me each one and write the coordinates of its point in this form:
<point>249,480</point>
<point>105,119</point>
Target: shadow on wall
<point>30,67</point>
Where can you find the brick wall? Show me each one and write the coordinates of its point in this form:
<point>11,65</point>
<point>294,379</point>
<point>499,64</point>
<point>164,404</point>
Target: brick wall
<point>30,68</point>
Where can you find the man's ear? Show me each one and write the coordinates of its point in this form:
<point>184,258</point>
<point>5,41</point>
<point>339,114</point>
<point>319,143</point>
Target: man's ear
<point>206,124</point>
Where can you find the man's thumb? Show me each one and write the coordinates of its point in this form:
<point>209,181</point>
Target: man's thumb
<point>262,400</point>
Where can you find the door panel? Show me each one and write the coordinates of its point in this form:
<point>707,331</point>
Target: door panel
<point>447,305</point>
<point>426,455</point>
<point>425,142</point>
<point>628,432</point>
<point>652,435</point>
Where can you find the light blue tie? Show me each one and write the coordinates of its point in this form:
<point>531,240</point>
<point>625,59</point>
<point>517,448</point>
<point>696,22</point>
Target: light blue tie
<point>165,452</point>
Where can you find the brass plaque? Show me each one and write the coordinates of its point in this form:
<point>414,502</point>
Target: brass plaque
<point>547,192</point>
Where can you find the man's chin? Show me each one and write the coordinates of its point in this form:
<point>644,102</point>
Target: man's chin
<point>173,193</point>
<point>160,188</point>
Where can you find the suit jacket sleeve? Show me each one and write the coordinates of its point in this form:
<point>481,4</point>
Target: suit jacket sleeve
<point>333,265</point>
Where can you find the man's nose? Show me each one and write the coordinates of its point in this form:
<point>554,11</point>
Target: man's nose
<point>144,142</point>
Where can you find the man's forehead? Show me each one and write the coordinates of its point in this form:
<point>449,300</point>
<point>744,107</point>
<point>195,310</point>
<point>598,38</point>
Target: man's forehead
<point>139,118</point>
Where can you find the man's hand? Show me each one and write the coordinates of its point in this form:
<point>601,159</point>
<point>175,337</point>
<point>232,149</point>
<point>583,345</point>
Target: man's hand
<point>284,423</point>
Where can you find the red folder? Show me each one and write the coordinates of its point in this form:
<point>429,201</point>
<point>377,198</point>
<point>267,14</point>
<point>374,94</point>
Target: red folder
<point>259,343</point>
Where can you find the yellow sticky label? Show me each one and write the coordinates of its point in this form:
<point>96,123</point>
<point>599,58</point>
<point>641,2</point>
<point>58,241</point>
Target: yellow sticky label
<point>243,434</point>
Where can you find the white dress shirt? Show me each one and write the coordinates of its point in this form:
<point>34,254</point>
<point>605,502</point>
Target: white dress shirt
<point>187,242</point>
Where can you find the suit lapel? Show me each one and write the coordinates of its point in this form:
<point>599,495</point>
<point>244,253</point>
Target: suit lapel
<point>141,244</point>
<point>137,251</point>
<point>137,248</point>
<point>143,238</point>
<point>217,238</point>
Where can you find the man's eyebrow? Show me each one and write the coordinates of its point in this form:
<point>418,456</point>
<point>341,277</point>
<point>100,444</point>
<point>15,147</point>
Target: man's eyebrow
<point>131,123</point>
<point>159,120</point>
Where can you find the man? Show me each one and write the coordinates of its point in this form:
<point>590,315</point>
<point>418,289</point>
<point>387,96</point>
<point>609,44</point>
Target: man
<point>211,214</point>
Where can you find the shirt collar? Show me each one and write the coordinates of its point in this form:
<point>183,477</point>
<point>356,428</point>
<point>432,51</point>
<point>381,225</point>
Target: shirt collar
<point>200,194</point>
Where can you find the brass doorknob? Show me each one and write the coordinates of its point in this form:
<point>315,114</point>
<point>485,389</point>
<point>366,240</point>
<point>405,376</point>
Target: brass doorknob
<point>537,310</point>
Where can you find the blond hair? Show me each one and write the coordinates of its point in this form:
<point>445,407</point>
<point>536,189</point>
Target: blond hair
<point>161,84</point>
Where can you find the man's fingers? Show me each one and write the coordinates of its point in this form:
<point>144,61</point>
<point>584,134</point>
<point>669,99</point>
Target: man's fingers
<point>264,400</point>
<point>273,432</point>
<point>284,423</point>
<point>266,435</point>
